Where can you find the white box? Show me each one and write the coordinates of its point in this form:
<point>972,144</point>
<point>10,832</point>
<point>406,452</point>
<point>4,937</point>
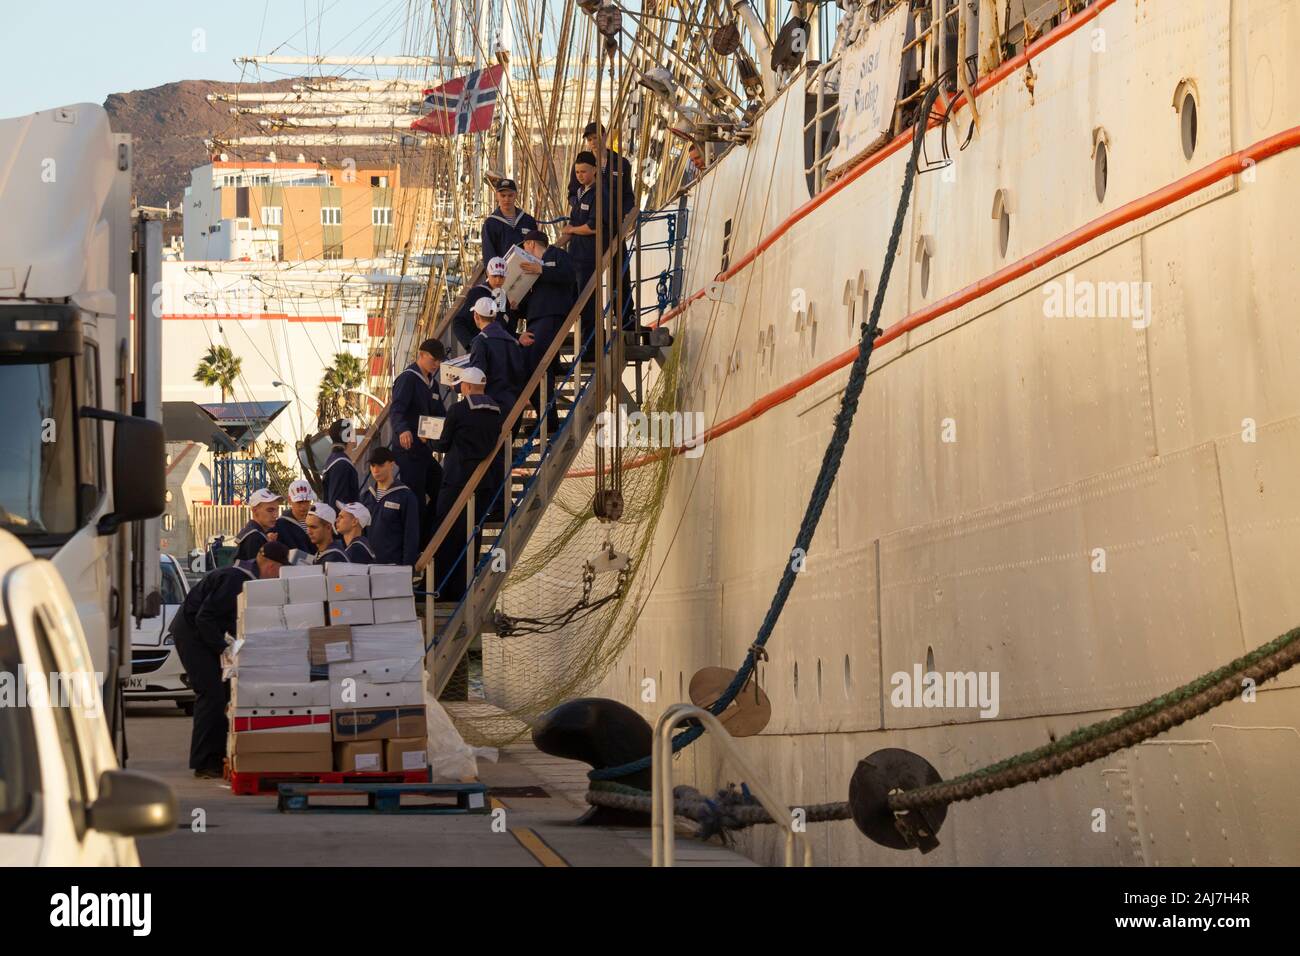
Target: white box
<point>347,693</point>
<point>381,672</point>
<point>254,619</point>
<point>346,585</point>
<point>390,580</point>
<point>340,569</point>
<point>430,426</point>
<point>304,615</point>
<point>387,642</point>
<point>517,281</point>
<point>450,370</point>
<point>291,571</point>
<point>393,610</point>
<point>254,693</point>
<point>263,592</point>
<point>306,590</point>
<point>351,612</point>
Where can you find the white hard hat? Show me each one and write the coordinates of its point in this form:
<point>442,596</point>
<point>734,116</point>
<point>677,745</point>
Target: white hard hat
<point>475,376</point>
<point>360,512</point>
<point>485,306</point>
<point>324,512</point>
<point>262,496</point>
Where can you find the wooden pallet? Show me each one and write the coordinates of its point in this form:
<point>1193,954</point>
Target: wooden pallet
<point>383,797</point>
<point>265,783</point>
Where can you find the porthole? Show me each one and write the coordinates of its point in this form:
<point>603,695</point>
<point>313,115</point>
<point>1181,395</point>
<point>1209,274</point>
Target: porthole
<point>925,273</point>
<point>1100,169</point>
<point>1187,115</point>
<point>929,660</point>
<point>848,674</point>
<point>1004,231</point>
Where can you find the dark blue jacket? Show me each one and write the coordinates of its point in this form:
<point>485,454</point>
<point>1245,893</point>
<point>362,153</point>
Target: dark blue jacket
<point>250,540</point>
<point>462,324</point>
<point>499,233</point>
<point>210,608</point>
<point>555,290</point>
<point>469,435</point>
<point>293,535</point>
<point>394,530</point>
<point>332,553</point>
<point>621,177</point>
<point>413,396</point>
<point>340,479</point>
<point>360,552</point>
<point>582,212</point>
<point>501,358</point>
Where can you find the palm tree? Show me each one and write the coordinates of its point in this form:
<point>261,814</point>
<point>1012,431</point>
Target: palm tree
<point>337,397</point>
<point>219,367</point>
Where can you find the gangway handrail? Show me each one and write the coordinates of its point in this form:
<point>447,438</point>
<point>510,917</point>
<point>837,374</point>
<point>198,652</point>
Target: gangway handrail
<point>662,832</point>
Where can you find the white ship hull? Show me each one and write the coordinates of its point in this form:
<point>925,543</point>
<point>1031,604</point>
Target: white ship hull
<point>1096,509</point>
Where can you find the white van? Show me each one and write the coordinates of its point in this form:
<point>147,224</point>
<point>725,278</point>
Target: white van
<point>63,799</point>
<point>156,669</point>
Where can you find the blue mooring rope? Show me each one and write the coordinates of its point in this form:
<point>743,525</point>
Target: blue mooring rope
<point>830,466</point>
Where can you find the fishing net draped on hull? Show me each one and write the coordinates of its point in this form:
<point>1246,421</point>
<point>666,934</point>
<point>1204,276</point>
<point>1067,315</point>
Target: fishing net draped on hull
<point>560,646</point>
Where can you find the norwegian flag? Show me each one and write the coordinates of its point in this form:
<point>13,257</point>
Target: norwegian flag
<point>462,105</point>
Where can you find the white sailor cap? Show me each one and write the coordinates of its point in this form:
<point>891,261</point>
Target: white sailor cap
<point>496,266</point>
<point>262,496</point>
<point>475,376</point>
<point>485,306</point>
<point>360,512</point>
<point>324,512</point>
<point>300,490</point>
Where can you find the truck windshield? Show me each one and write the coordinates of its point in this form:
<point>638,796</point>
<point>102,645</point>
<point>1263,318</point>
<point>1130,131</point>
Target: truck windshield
<point>38,456</point>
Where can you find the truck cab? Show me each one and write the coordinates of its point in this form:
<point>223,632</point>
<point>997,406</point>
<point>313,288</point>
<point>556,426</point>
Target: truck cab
<point>81,458</point>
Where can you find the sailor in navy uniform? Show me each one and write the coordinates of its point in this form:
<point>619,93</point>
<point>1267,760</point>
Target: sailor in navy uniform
<point>394,512</point>
<point>320,527</point>
<point>617,170</point>
<point>468,436</point>
<point>500,357</point>
<point>580,236</point>
<point>291,528</point>
<point>198,630</point>
<point>507,225</point>
<point>546,307</point>
<point>353,520</point>
<point>415,395</point>
<point>462,324</point>
<point>339,475</point>
<point>264,510</point>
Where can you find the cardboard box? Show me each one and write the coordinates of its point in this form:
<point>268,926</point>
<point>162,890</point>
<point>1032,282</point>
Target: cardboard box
<point>282,762</point>
<point>309,589</point>
<point>381,672</point>
<point>253,620</point>
<point>346,692</point>
<point>390,581</point>
<point>361,756</point>
<point>246,692</point>
<point>263,592</point>
<point>351,612</point>
<point>388,641</point>
<point>406,753</point>
<point>304,615</point>
<point>282,719</point>
<point>331,644</point>
<point>378,723</point>
<point>275,742</point>
<point>343,585</point>
<point>393,610</point>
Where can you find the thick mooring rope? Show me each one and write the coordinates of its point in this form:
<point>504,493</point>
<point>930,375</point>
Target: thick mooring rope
<point>733,809</point>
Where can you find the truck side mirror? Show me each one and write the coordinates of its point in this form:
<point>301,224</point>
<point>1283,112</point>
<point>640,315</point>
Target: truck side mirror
<point>131,803</point>
<point>139,469</point>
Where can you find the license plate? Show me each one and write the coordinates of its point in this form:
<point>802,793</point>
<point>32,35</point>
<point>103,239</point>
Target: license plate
<point>135,682</point>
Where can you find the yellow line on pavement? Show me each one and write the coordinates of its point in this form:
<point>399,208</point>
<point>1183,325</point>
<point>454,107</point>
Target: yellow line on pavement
<point>534,844</point>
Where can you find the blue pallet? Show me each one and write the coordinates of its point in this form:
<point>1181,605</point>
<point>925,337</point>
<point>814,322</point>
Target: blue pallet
<point>383,797</point>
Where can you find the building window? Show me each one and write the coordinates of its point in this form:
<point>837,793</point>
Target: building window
<point>381,216</point>
<point>261,179</point>
<point>331,216</point>
<point>351,332</point>
<point>333,252</point>
<point>231,179</point>
<point>272,216</point>
<point>379,181</point>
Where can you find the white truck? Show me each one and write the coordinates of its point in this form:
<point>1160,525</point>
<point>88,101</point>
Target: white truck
<point>82,471</point>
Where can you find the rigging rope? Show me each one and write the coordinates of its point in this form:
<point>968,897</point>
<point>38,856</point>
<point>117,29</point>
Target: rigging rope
<point>831,458</point>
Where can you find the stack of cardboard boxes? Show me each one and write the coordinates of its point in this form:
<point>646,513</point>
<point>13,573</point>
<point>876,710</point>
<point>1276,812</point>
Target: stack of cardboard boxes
<point>328,673</point>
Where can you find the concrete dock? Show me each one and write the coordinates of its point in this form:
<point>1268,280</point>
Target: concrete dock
<point>540,796</point>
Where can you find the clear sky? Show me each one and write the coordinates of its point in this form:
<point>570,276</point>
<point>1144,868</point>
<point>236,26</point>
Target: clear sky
<point>56,52</point>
